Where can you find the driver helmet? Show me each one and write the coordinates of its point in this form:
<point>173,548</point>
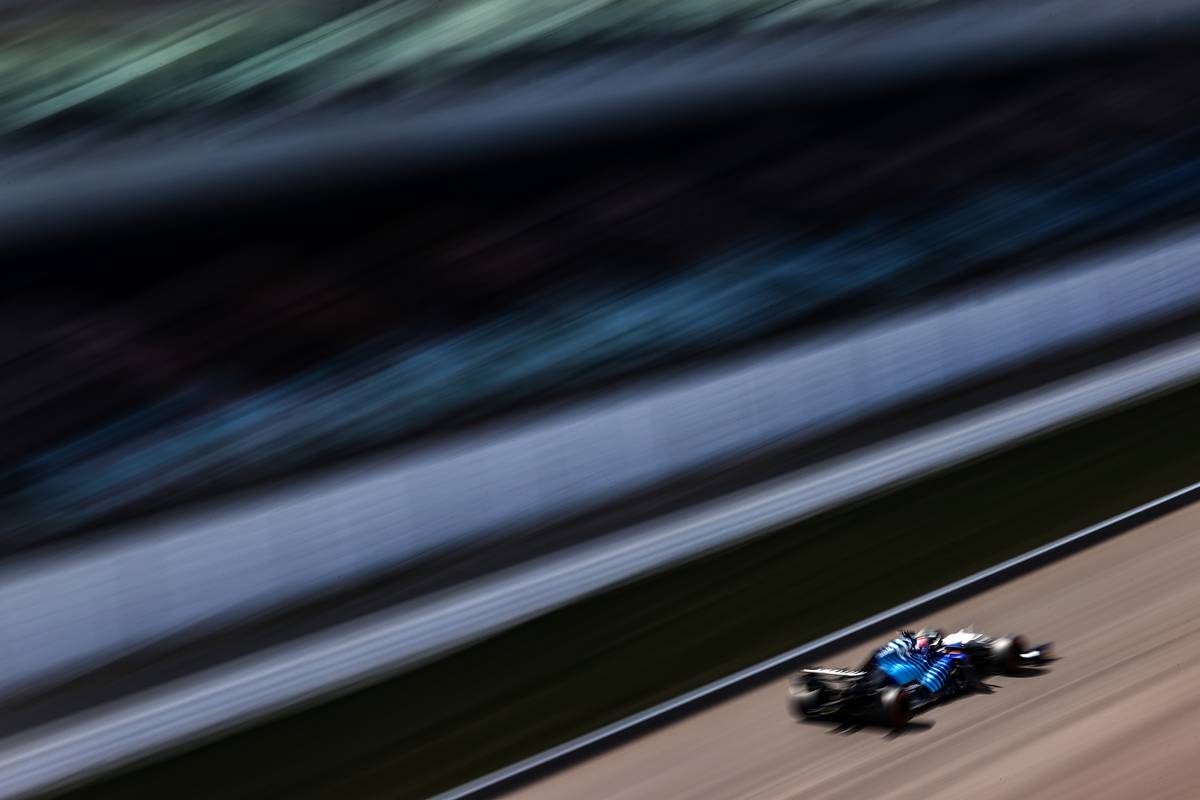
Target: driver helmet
<point>928,638</point>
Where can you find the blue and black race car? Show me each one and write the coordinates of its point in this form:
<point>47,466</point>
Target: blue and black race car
<point>909,673</point>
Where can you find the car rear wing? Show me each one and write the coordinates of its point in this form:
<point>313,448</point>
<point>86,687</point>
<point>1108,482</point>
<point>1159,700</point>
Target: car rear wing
<point>837,673</point>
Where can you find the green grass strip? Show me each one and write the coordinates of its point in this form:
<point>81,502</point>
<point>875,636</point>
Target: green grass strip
<point>574,670</point>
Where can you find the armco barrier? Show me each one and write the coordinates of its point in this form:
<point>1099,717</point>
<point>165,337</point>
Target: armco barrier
<point>61,611</point>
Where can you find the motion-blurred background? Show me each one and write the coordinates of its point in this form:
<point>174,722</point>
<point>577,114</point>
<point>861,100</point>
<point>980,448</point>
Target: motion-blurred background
<point>341,339</point>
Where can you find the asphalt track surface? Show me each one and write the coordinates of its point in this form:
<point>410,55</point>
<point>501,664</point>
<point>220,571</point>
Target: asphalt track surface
<point>1116,717</point>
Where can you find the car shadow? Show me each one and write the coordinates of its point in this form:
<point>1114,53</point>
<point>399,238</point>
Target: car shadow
<point>1029,672</point>
<point>913,726</point>
<point>850,728</point>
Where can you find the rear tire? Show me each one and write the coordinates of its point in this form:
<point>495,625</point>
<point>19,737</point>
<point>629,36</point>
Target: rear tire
<point>894,708</point>
<point>803,703</point>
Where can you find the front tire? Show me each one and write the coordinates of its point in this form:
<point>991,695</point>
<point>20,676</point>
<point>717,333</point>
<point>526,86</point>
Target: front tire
<point>1006,654</point>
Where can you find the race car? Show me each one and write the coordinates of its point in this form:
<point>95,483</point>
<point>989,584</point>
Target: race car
<point>869,696</point>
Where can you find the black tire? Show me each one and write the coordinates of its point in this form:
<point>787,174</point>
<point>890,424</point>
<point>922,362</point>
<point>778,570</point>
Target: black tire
<point>894,709</point>
<point>802,702</point>
<point>1006,654</point>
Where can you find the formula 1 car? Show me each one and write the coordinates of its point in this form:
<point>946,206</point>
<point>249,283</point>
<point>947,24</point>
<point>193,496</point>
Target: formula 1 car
<point>867,696</point>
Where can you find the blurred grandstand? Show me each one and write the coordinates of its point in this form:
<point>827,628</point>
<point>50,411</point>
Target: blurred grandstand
<point>271,344</point>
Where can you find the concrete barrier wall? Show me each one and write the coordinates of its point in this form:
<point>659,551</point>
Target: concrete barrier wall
<point>64,609</point>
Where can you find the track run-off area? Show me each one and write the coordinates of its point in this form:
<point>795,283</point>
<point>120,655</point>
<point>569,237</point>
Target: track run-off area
<point>1117,716</point>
